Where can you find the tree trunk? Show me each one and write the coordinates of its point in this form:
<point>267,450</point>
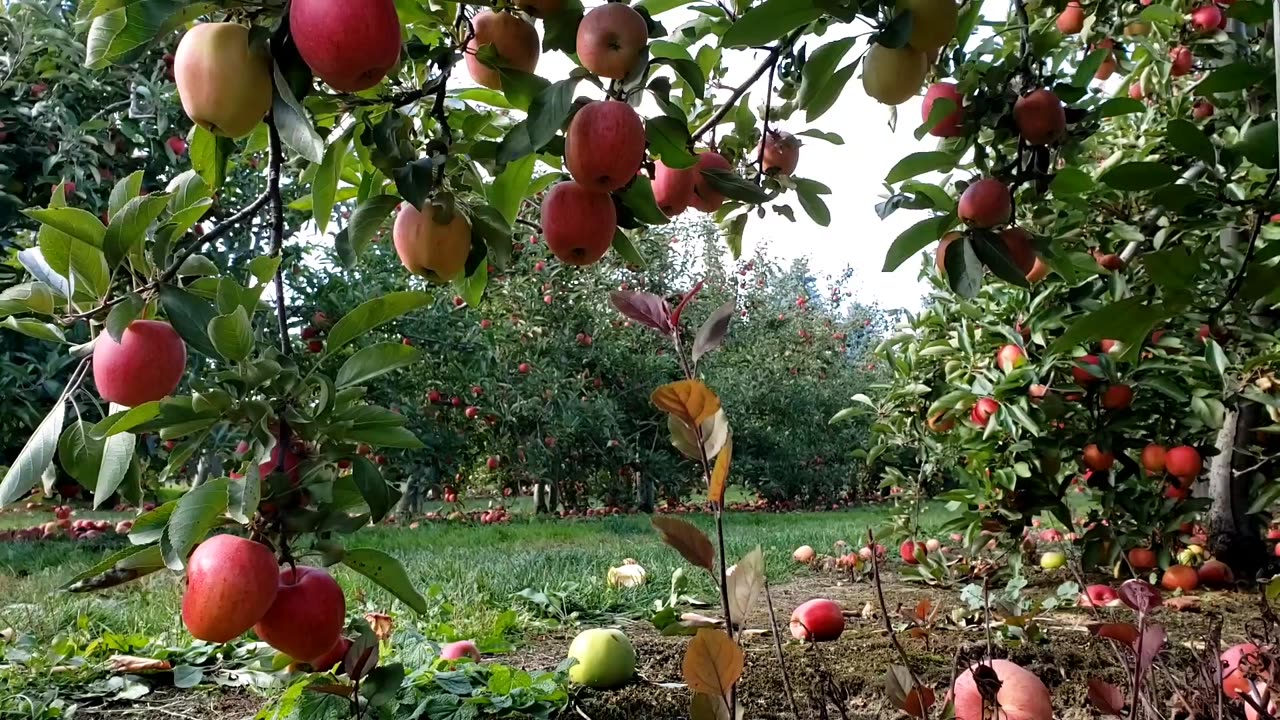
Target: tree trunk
<point>540,497</point>
<point>553,496</point>
<point>646,492</point>
<point>1231,537</point>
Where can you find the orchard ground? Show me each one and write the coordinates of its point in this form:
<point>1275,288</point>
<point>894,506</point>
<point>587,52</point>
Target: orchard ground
<point>525,588</point>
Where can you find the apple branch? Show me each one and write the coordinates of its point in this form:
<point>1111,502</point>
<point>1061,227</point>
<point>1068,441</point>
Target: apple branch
<point>888,626</point>
<point>1237,282</point>
<point>764,130</point>
<point>770,61</point>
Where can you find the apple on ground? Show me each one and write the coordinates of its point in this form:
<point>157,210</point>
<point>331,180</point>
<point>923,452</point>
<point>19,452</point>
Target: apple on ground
<point>818,620</point>
<point>460,649</point>
<point>605,658</point>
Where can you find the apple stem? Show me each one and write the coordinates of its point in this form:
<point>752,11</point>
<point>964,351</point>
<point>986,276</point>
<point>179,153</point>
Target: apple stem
<point>777,649</point>
<point>764,122</point>
<point>888,626</point>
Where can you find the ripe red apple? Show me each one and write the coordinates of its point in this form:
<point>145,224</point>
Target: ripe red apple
<point>986,203</point>
<point>1153,458</point>
<point>306,618</point>
<point>818,620</point>
<point>578,224</point>
<point>1202,109</point>
<point>983,410</point>
<point>1083,377</point>
<point>1022,696</point>
<point>1234,680</point>
<point>1136,92</point>
<point>1097,459</point>
<point>1117,397</point>
<point>611,39</point>
<point>1021,250</point>
<point>705,197</point>
<point>291,462</point>
<point>472,412</point>
<point>515,40</point>
<point>315,346</point>
<point>492,463</point>
<point>177,145</point>
<point>1181,59</point>
<point>605,144</point>
<point>673,188</point>
<point>524,368</point>
<point>907,551</point>
<point>1142,558</point>
<point>432,244</point>
<point>1040,117</point>
<point>147,364</point>
<point>335,655</point>
<point>1071,20</point>
<point>781,153</point>
<point>231,583</point>
<point>224,83</point>
<point>1183,462</point>
<point>460,649</point>
<point>349,45</point>
<point>1216,574</point>
<point>951,124</point>
<point>1207,18</point>
<point>1010,357</point>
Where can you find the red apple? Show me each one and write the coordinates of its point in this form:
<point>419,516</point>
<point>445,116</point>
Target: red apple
<point>349,45</point>
<point>605,144</point>
<point>1207,18</point>
<point>1117,397</point>
<point>1040,117</point>
<point>781,153</point>
<point>1183,462</point>
<point>578,224</point>
<point>818,620</point>
<point>907,551</point>
<point>983,410</point>
<point>673,188</point>
<point>433,243</point>
<point>332,658</point>
<point>1083,377</point>
<point>986,203</point>
<point>231,583</point>
<point>177,145</point>
<point>147,364</point>
<point>1181,59</point>
<point>1071,20</point>
<point>1021,694</point>
<point>705,197</point>
<point>460,649</point>
<point>306,618</point>
<point>611,39</point>
<point>1097,459</point>
<point>951,124</point>
<point>1010,357</point>
<point>1202,109</point>
<point>515,40</point>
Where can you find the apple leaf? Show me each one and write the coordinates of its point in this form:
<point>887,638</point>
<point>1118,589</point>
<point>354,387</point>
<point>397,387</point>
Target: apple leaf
<point>712,663</point>
<point>375,361</point>
<point>713,331</point>
<point>194,515</point>
<point>720,475</point>
<point>125,566</point>
<point>645,308</point>
<point>373,313</point>
<point>687,540</point>
<point>746,581</point>
<point>689,400</point>
<point>388,573</point>
<point>708,707</point>
<point>1105,697</point>
<point>34,457</point>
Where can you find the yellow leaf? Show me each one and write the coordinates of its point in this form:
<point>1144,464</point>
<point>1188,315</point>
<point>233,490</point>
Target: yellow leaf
<point>720,475</point>
<point>713,663</point>
<point>688,540</point>
<point>690,400</point>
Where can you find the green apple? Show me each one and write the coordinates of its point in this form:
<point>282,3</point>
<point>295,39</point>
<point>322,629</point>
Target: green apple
<point>1052,560</point>
<point>605,658</point>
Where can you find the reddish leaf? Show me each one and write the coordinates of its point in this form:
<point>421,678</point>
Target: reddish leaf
<point>713,330</point>
<point>1105,697</point>
<point>1140,595</point>
<point>688,540</point>
<point>1152,642</point>
<point>645,308</point>
<point>1124,633</point>
<point>675,316</point>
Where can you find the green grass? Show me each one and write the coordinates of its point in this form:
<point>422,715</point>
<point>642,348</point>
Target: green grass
<point>469,573</point>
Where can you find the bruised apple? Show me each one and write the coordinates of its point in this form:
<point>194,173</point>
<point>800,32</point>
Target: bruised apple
<point>434,244</point>
<point>147,364</point>
<point>892,75</point>
<point>513,38</point>
<point>349,45</point>
<point>224,84</point>
<point>231,583</point>
<point>605,145</point>
<point>818,620</point>
<point>673,187</point>
<point>611,39</point>
<point>1022,696</point>
<point>605,658</point>
<point>781,153</point>
<point>705,197</point>
<point>578,224</point>
<point>307,616</point>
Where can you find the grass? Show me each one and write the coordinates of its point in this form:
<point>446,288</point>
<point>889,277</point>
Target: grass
<point>469,573</point>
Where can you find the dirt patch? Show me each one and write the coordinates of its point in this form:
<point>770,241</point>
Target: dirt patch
<point>211,704</point>
<point>846,677</point>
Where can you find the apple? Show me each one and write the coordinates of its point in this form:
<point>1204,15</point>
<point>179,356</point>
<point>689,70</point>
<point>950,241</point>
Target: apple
<point>1142,558</point>
<point>1097,459</point>
<point>1117,397</point>
<point>605,657</point>
<point>933,23</point>
<point>315,346</point>
<point>147,364</point>
<point>1216,574</point>
<point>1234,680</point>
<point>803,554</point>
<point>1181,59</point>
<point>124,527</point>
<point>986,203</point>
<point>705,197</point>
<point>224,83</point>
<point>1080,374</point>
<point>231,583</point>
<point>348,45</point>
<point>460,649</point>
<point>1021,695</point>
<point>1183,462</point>
<point>434,244</point>
<point>951,124</point>
<point>983,410</point>
<point>673,187</point>
<point>1010,357</point>
<point>892,75</point>
<point>306,618</point>
<point>909,550</point>
<point>577,223</point>
<point>781,152</point>
<point>1020,249</point>
<point>818,620</point>
<point>1180,577</point>
<point>605,144</point>
<point>515,40</point>
<point>1071,20</point>
<point>932,545</point>
<point>472,412</point>
<point>177,145</point>
<point>1136,92</point>
<point>333,657</point>
<point>1207,18</point>
<point>1052,560</point>
<point>1202,109</point>
<point>1153,458</point>
<point>611,40</point>
<point>1040,117</point>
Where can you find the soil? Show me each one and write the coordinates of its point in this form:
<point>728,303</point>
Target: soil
<point>846,678</point>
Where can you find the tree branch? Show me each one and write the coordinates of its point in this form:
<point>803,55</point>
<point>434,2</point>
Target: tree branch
<point>1238,281</point>
<point>769,62</point>
<point>764,131</point>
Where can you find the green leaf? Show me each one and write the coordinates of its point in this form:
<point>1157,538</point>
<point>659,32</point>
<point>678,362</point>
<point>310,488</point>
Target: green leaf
<point>117,459</point>
<point>1261,145</point>
<point>129,226</point>
<point>125,190</point>
<point>383,436</point>
<point>1216,358</point>
<point>186,191</point>
<point>769,21</point>
<point>819,68</point>
<point>33,297</point>
<point>938,111</point>
<point>547,114</point>
<point>244,495</point>
<point>1116,107</point>
<point>148,527</point>
<point>964,271</point>
<point>122,29</point>
<point>1129,321</point>
<point>1089,67</point>
<point>232,334</point>
<point>1162,14</point>
<point>653,7</point>
<point>830,91</point>
<point>995,254</point>
<point>916,238</point>
<point>669,141</point>
<point>627,250</point>
<point>519,87</point>
<point>209,154</point>
<point>1233,78</point>
<point>494,231</point>
<point>324,186</point>
<point>678,58</point>
<point>364,225</point>
<point>125,420</point>
<point>1190,140</point>
<point>1171,268</point>
<point>190,316</point>
<point>79,224</point>
<point>380,496</point>
<point>34,328</point>
<point>123,314</point>
<point>920,163</point>
<point>291,119</point>
<point>733,230</point>
<point>508,189</point>
<point>1071,181</point>
<point>34,457</point>
<point>814,206</point>
<point>373,313</point>
<point>471,287</point>
<point>387,572</point>
<point>196,513</point>
<point>1139,176</point>
<point>125,566</point>
<point>830,137</point>
<point>734,186</point>
<point>80,454</point>
<point>375,361</point>
<point>638,197</point>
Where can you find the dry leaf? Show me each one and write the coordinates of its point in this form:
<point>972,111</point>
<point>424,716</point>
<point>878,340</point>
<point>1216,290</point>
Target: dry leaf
<point>1107,698</point>
<point>1186,603</point>
<point>688,540</point>
<point>713,663</point>
<point>1124,633</point>
<point>715,433</point>
<point>381,625</point>
<point>690,400</point>
<point>133,664</point>
<point>694,620</point>
<point>868,611</point>
<point>683,438</point>
<point>746,582</point>
<point>720,476</point>
<point>7,635</point>
<point>707,707</point>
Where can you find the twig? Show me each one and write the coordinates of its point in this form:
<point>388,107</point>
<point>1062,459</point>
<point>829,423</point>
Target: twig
<point>276,159</point>
<point>764,132</point>
<point>1238,281</point>
<point>777,648</point>
<point>742,89</point>
<point>888,626</point>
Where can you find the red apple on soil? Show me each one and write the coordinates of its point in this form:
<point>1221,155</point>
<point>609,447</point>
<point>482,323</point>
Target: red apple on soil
<point>349,45</point>
<point>1180,577</point>
<point>515,40</point>
<point>1234,680</point>
<point>1010,357</point>
<point>231,583</point>
<point>781,153</point>
<point>434,243</point>
<point>705,197</point>
<point>951,124</point>
<point>605,144</point>
<point>224,83</point>
<point>1040,117</point>
<point>803,554</point>
<point>460,649</point>
<point>611,39</point>
<point>1022,696</point>
<point>147,364</point>
<point>986,203</point>
<point>1183,462</point>
<point>908,550</point>
<point>578,224</point>
<point>1216,574</point>
<point>306,618</point>
<point>818,620</point>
